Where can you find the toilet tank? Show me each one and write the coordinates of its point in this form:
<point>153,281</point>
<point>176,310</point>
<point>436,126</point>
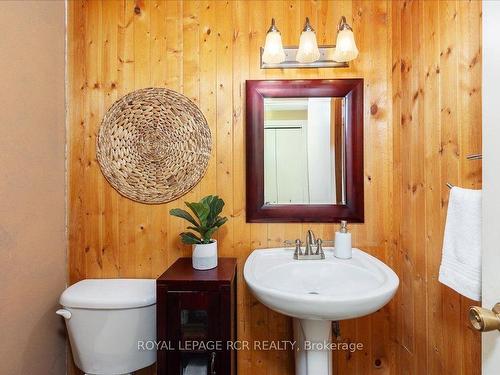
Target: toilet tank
<point>110,322</point>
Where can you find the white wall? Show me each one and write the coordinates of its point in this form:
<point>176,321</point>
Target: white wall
<point>32,187</point>
<point>491,177</point>
<point>319,151</point>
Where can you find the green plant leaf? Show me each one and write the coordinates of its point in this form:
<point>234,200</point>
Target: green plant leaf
<point>183,215</point>
<point>207,200</point>
<point>190,238</point>
<point>220,221</point>
<point>216,206</point>
<point>208,234</point>
<point>198,229</point>
<point>201,211</point>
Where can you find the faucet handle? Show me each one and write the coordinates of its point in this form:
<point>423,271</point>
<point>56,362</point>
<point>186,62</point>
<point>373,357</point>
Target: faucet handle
<point>319,249</point>
<point>298,250</point>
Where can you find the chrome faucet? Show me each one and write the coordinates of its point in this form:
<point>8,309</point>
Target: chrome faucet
<point>309,252</point>
<point>310,242</point>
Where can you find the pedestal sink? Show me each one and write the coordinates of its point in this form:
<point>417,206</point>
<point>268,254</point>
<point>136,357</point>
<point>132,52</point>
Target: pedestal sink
<point>317,292</point>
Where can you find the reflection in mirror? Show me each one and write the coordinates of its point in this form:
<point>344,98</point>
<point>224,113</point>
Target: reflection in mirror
<point>304,150</point>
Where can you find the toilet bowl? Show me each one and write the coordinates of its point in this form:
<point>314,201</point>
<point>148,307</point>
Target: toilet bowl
<point>107,320</point>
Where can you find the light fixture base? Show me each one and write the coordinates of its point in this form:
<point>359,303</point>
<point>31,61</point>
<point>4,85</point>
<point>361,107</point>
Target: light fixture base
<point>325,59</point>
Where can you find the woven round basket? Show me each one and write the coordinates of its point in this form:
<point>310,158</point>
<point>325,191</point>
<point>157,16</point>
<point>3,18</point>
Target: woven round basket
<point>154,145</point>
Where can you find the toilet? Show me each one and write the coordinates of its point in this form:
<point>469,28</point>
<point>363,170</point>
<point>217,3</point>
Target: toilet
<point>107,320</point>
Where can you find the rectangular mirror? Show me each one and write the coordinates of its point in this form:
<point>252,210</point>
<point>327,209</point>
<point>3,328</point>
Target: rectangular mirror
<point>305,150</point>
<point>308,133</point>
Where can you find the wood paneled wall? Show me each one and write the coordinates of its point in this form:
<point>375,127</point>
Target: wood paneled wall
<point>206,50</point>
<point>437,122</point>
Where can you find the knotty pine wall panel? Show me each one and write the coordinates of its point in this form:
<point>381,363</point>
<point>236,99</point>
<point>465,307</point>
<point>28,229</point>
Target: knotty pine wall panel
<point>436,94</point>
<point>206,50</point>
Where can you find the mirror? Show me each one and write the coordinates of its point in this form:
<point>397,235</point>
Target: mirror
<point>305,150</point>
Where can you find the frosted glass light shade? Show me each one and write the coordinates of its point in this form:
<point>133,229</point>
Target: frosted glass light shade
<point>273,48</point>
<point>345,49</point>
<point>308,47</point>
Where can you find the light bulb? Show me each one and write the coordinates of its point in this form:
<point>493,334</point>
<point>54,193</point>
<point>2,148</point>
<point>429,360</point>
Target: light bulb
<point>273,48</point>
<point>345,49</point>
<point>308,46</point>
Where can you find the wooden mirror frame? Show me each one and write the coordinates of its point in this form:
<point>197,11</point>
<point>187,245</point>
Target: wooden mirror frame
<point>256,210</point>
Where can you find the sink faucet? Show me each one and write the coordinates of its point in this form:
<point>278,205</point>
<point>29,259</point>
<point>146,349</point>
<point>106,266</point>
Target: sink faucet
<point>309,252</point>
<point>310,242</point>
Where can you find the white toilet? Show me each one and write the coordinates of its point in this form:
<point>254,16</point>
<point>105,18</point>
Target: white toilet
<point>107,319</point>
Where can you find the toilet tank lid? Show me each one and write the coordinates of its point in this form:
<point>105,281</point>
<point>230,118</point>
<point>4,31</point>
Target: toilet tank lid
<point>110,294</point>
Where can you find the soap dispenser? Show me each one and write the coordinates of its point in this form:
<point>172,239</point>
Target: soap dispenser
<point>343,243</point>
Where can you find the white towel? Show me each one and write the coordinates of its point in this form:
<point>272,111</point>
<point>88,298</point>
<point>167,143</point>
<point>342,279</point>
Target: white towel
<point>461,262</point>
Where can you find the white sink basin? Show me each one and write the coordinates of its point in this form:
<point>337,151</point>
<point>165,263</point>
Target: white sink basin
<point>316,292</point>
<point>329,289</point>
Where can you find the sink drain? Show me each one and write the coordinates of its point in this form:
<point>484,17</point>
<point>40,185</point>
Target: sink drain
<point>313,293</point>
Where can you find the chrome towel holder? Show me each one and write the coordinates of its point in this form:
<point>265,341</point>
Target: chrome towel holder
<point>468,157</point>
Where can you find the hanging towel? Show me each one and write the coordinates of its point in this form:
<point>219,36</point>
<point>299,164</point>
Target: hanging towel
<point>461,261</point>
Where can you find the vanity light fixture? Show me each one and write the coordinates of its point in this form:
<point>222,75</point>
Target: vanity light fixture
<point>273,49</point>
<point>345,49</point>
<point>308,46</point>
<point>308,54</point>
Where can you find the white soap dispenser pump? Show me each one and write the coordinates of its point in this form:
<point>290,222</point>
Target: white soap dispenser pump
<point>343,242</point>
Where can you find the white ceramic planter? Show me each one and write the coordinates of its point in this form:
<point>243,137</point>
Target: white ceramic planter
<point>205,256</point>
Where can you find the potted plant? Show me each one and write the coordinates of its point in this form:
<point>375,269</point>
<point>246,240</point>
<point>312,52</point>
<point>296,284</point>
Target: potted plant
<point>205,223</point>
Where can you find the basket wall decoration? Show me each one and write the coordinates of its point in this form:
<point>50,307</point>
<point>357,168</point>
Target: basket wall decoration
<point>154,145</point>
